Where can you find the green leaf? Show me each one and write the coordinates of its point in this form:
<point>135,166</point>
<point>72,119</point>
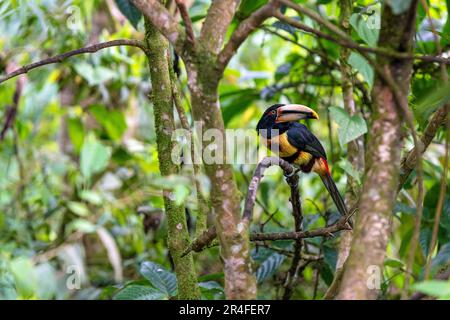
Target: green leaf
<point>91,196</point>
<point>393,263</point>
<point>361,26</point>
<point>76,132</point>
<point>350,169</point>
<point>181,192</point>
<point>7,286</point>
<point>362,66</point>
<point>350,128</point>
<point>399,6</point>
<point>136,292</point>
<point>159,277</point>
<point>426,105</point>
<point>330,256</point>
<point>130,11</point>
<point>269,266</point>
<point>113,121</point>
<point>79,208</point>
<point>81,225</point>
<point>434,288</point>
<point>441,259</point>
<point>94,75</point>
<point>94,156</point>
<point>424,240</point>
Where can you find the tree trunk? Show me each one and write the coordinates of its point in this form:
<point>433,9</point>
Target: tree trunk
<point>178,236</point>
<point>240,283</point>
<point>363,271</point>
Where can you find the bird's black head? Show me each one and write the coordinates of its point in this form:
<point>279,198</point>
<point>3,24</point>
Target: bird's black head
<point>279,116</point>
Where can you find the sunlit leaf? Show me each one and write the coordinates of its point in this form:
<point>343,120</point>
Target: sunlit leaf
<point>350,128</point>
<point>361,26</point>
<point>362,66</point>
<point>434,288</point>
<point>112,120</point>
<point>94,156</point>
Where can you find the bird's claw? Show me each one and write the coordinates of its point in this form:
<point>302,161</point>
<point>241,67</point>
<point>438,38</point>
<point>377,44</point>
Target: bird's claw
<point>293,173</point>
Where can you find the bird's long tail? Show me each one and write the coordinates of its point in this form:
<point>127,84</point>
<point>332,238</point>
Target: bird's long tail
<point>334,192</point>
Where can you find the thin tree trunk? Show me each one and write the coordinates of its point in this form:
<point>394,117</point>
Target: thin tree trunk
<point>178,236</point>
<point>363,271</point>
<point>240,282</point>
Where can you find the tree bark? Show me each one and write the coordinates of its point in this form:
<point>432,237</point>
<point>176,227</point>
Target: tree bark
<point>178,236</point>
<point>382,163</point>
<point>240,283</point>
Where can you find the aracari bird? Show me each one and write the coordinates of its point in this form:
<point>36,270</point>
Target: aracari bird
<point>294,143</point>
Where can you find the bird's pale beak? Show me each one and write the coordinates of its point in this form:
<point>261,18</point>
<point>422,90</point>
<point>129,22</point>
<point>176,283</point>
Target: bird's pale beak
<point>295,112</point>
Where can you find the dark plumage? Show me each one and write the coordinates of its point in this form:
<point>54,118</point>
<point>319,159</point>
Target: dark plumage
<point>296,144</point>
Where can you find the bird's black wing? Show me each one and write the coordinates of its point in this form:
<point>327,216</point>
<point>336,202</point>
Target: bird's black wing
<point>300,137</point>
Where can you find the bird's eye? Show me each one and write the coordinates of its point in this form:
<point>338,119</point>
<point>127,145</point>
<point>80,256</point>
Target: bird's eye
<point>273,112</point>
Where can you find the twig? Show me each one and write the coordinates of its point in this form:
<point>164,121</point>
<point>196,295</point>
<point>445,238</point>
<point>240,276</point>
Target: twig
<point>291,275</point>
<point>11,111</point>
<point>321,232</point>
<point>244,29</point>
<point>202,205</point>
<point>187,20</point>
<point>256,179</point>
<point>61,57</point>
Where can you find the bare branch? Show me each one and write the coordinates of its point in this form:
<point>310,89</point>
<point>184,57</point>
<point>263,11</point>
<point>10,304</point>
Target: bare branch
<point>61,57</point>
<point>243,31</point>
<point>342,224</point>
<point>257,176</point>
<point>187,20</point>
<point>163,21</point>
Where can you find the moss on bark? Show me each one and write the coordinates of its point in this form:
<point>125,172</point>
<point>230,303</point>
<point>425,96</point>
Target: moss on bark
<point>178,236</point>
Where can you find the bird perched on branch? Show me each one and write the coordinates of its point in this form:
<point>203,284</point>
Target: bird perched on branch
<point>294,143</point>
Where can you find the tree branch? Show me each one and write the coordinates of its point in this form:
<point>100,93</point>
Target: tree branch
<point>61,57</point>
<point>187,20</point>
<point>164,22</point>
<point>342,224</point>
<point>219,16</point>
<point>349,43</point>
<point>243,31</point>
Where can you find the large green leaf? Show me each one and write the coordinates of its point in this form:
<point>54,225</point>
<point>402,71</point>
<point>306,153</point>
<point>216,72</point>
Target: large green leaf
<point>138,292</point>
<point>350,128</point>
<point>362,66</point>
<point>130,11</point>
<point>429,103</point>
<point>112,120</point>
<point>159,277</point>
<point>269,266</point>
<point>435,288</point>
<point>94,156</point>
<point>369,35</point>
